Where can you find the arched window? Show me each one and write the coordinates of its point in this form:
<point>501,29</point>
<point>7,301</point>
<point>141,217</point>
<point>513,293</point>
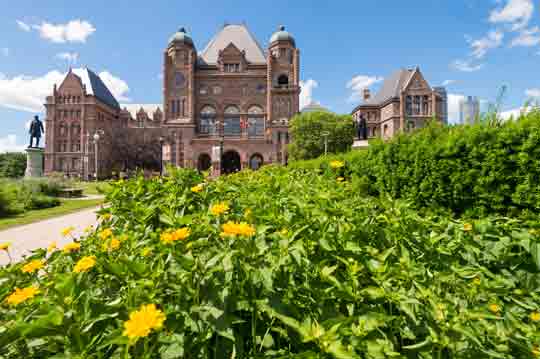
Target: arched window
<point>283,80</point>
<point>255,121</point>
<point>207,121</point>
<point>255,162</point>
<point>385,131</point>
<point>231,124</point>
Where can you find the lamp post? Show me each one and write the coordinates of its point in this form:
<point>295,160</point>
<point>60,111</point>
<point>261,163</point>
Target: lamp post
<point>96,141</point>
<point>325,134</point>
<point>161,142</point>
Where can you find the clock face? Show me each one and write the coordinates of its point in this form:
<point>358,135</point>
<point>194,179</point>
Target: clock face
<point>179,80</point>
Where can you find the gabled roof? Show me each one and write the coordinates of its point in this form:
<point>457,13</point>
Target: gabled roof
<point>391,87</point>
<point>96,87</point>
<point>134,109</point>
<point>241,37</point>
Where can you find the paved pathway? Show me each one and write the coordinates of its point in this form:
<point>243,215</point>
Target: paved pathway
<point>41,234</point>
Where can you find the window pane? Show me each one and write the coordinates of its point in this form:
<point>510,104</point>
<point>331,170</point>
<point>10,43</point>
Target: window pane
<point>232,126</point>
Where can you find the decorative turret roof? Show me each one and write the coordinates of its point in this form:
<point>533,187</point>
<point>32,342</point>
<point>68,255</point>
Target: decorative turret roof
<point>181,36</point>
<point>282,35</point>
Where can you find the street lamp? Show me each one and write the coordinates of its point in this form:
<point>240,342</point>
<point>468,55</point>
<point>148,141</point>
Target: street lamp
<point>161,142</point>
<point>325,134</point>
<point>96,141</point>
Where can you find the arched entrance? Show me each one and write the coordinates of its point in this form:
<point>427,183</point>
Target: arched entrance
<point>230,162</point>
<point>204,162</point>
<point>255,162</point>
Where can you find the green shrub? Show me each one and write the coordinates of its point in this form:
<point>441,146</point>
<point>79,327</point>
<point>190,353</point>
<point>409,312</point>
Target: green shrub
<point>306,132</point>
<point>12,165</point>
<point>41,201</point>
<point>327,273</point>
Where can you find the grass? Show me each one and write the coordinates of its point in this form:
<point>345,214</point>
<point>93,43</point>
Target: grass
<point>66,207</point>
<point>92,188</point>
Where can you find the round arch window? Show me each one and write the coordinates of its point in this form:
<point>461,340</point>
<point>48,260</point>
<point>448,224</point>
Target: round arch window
<point>179,79</point>
<point>256,161</point>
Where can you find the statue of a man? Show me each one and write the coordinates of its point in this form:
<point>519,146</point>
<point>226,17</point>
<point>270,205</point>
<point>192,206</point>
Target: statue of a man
<point>36,129</point>
<point>362,128</point>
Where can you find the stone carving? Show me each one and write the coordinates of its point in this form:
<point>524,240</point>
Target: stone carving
<point>35,131</point>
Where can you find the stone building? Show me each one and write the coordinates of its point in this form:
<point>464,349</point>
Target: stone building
<point>404,102</point>
<point>233,95</point>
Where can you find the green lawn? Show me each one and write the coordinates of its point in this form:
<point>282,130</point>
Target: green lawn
<point>92,188</point>
<point>66,207</point>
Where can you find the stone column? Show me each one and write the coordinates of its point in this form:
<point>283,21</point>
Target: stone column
<point>34,163</point>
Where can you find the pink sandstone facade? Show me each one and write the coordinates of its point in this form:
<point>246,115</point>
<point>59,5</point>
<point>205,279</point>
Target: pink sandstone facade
<point>231,95</point>
<point>404,102</point>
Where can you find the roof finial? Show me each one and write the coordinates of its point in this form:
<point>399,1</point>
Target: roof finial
<point>281,27</point>
<point>182,29</point>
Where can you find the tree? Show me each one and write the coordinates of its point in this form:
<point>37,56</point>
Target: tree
<point>12,165</point>
<point>307,134</point>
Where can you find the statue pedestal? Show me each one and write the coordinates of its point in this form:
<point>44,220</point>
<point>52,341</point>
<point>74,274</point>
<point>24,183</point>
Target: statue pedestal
<point>360,144</point>
<point>34,162</point>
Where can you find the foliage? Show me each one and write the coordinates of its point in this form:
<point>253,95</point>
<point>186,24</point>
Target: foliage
<point>12,165</point>
<point>328,273</point>
<point>469,170</point>
<point>307,134</point>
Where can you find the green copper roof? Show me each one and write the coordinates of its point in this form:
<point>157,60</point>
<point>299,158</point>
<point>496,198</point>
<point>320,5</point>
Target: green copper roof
<point>181,36</point>
<point>282,35</point>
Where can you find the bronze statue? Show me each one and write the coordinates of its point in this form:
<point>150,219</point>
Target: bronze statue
<point>36,129</point>
<point>361,128</point>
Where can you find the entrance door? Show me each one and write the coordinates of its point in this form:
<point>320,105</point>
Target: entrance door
<point>230,162</point>
<point>204,162</point>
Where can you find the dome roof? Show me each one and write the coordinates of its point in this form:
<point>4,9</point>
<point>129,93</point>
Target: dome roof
<point>181,36</point>
<point>282,35</point>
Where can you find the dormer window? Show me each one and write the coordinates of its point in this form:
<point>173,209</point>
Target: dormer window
<point>231,67</point>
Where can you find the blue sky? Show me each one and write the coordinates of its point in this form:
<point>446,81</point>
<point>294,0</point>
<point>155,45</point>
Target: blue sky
<point>473,46</point>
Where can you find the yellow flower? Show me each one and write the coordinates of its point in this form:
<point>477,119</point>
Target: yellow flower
<point>536,351</point>
<point>535,316</point>
<point>51,247</point>
<point>232,229</point>
<point>198,188</point>
<point>67,231</point>
<point>494,308</point>
<point>4,246</point>
<point>173,236</point>
<point>20,295</point>
<point>248,213</point>
<point>33,266</point>
<point>146,251</point>
<point>340,179</point>
<point>219,209</point>
<point>106,233</point>
<point>88,229</point>
<point>85,264</point>
<point>284,232</point>
<point>467,227</point>
<point>115,244</point>
<point>477,281</point>
<point>142,321</point>
<point>106,216</point>
<point>72,247</point>
<point>337,164</point>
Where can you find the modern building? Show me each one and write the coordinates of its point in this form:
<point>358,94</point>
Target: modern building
<point>404,102</point>
<point>232,96</point>
<point>469,110</point>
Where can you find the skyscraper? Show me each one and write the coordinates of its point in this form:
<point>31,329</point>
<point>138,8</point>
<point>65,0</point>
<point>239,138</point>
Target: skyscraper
<point>469,110</point>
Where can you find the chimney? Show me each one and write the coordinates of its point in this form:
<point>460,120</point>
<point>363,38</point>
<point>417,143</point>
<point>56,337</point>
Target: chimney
<point>367,94</point>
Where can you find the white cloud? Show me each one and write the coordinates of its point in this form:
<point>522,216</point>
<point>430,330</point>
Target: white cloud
<point>70,57</point>
<point>5,51</point>
<point>448,82</point>
<point>117,86</point>
<point>453,107</point>
<point>535,92</point>
<point>481,46</point>
<point>466,66</point>
<point>527,37</point>
<point>23,26</point>
<point>358,83</point>
<point>306,95</point>
<point>516,13</point>
<point>74,31</point>
<point>9,144</point>
<point>25,93</point>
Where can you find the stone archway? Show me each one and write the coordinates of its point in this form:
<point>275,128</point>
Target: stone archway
<point>256,161</point>
<point>230,162</point>
<point>204,162</point>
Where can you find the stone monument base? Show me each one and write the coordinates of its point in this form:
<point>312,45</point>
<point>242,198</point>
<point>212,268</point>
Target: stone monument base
<point>360,144</point>
<point>34,162</point>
